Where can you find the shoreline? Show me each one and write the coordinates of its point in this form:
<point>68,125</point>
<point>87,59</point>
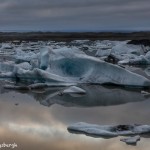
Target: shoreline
<point>69,36</point>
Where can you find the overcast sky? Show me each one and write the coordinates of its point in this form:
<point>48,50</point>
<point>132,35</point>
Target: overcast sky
<point>74,15</point>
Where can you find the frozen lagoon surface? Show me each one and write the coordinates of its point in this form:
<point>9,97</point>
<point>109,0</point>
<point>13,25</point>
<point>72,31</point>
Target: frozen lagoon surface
<point>38,118</point>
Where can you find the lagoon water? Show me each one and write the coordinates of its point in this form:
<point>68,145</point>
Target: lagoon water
<point>38,119</point>
<point>27,121</point>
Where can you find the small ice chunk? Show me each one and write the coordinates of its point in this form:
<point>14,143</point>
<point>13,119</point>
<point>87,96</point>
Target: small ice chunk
<point>124,62</point>
<point>137,60</point>
<point>124,48</point>
<point>131,140</point>
<point>147,71</point>
<point>101,53</point>
<point>7,66</point>
<point>25,65</point>
<point>92,130</point>
<point>22,56</point>
<point>145,93</point>
<point>147,56</point>
<point>7,46</point>
<point>34,63</point>
<point>6,74</point>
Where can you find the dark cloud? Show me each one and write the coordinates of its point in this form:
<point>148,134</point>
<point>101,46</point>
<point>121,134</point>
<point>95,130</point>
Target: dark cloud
<point>74,15</point>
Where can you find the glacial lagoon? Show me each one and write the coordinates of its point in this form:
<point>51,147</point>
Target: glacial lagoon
<point>38,118</point>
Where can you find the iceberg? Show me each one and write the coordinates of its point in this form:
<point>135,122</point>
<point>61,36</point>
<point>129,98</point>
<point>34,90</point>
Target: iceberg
<point>69,65</point>
<point>124,48</point>
<point>142,59</point>
<point>120,50</point>
<point>125,53</point>
<point>139,60</point>
<point>77,66</point>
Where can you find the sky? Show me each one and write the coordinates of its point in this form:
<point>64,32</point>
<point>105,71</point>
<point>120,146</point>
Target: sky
<point>74,15</point>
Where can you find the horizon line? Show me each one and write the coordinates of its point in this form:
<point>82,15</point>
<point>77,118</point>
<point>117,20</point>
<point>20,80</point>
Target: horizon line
<point>72,31</point>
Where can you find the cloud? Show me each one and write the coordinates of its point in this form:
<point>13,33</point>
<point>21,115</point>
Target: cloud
<point>74,15</point>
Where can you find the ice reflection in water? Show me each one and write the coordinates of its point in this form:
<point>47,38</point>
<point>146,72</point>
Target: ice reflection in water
<point>95,96</point>
<point>33,126</point>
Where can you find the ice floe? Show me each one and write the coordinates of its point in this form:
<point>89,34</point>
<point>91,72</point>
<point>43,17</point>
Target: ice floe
<point>131,140</point>
<point>111,131</point>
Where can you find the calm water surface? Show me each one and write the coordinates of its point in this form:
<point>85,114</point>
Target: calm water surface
<point>39,119</point>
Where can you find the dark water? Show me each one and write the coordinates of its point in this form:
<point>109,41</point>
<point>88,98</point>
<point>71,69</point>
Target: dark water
<point>25,120</point>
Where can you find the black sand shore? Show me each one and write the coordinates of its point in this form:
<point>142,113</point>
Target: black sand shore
<point>68,36</point>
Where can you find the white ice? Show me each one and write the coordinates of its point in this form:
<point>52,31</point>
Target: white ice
<point>109,131</point>
<point>71,65</point>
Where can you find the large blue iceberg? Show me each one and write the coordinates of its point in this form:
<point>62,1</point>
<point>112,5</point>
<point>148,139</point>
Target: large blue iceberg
<point>69,65</point>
